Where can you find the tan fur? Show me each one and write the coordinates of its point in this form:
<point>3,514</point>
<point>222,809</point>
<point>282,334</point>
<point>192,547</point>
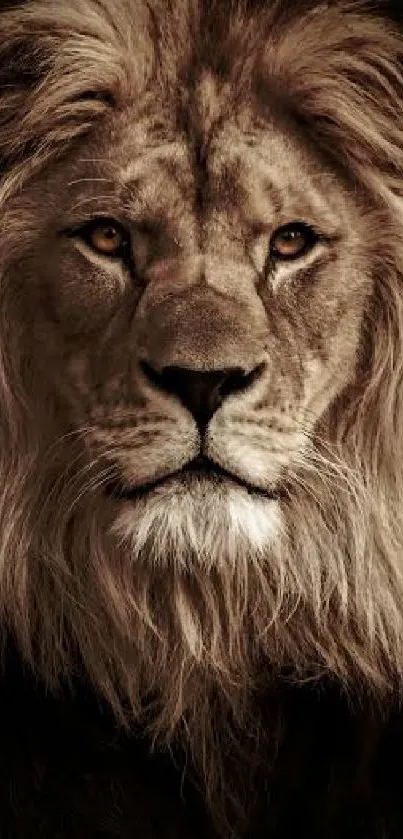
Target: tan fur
<point>179,603</point>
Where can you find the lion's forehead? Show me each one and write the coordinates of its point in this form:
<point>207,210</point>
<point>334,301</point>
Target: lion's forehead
<point>231,174</point>
<point>200,190</point>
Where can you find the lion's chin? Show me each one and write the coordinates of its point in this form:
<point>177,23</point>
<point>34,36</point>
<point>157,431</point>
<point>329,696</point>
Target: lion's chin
<point>194,516</point>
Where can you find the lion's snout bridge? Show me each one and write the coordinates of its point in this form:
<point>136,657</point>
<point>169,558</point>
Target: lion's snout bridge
<point>201,347</point>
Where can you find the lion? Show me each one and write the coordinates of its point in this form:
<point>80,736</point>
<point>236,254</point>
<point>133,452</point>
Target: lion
<point>201,363</point>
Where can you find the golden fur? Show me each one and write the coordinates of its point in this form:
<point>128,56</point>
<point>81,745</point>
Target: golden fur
<point>180,614</point>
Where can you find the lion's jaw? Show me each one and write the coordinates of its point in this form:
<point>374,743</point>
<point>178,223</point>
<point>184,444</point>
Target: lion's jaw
<point>198,520</point>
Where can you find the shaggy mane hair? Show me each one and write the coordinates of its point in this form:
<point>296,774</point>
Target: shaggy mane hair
<point>187,649</point>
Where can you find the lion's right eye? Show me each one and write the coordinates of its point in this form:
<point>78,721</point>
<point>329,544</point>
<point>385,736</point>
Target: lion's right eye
<point>106,237</point>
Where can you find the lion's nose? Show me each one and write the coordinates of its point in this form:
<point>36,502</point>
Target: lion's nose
<point>202,392</point>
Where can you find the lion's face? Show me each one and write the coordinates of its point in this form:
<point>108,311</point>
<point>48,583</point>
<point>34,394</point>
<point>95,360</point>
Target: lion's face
<point>201,330</point>
<point>203,278</point>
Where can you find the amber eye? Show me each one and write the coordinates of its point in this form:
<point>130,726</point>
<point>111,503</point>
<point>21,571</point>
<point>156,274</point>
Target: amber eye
<point>106,236</point>
<point>292,240</point>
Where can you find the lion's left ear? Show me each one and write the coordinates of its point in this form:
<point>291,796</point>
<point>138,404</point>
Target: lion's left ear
<point>340,69</point>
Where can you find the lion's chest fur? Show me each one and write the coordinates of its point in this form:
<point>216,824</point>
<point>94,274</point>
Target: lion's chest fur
<point>67,772</point>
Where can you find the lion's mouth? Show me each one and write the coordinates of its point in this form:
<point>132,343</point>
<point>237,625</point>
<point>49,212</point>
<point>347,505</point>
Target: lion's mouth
<point>198,469</point>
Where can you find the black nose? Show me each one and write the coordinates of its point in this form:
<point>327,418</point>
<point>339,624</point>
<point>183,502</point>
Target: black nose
<point>202,392</point>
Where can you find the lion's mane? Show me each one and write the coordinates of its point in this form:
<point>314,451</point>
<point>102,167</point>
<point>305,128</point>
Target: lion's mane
<point>328,600</point>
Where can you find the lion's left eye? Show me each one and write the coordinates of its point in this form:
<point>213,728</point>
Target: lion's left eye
<point>292,241</point>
